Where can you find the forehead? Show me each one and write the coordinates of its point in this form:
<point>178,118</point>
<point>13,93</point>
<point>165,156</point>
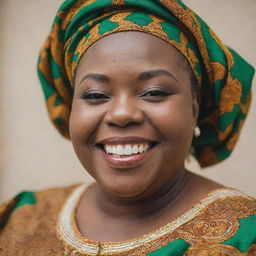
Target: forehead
<point>130,52</point>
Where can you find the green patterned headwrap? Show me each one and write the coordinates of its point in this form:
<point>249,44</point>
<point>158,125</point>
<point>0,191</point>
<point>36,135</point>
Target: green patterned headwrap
<point>224,77</point>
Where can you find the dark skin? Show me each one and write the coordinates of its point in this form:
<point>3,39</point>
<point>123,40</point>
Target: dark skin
<point>134,84</point>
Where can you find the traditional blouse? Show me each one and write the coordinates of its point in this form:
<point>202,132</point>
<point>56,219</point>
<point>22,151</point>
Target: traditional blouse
<point>43,223</point>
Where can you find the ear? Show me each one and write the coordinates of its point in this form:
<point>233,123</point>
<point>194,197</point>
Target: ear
<point>195,107</point>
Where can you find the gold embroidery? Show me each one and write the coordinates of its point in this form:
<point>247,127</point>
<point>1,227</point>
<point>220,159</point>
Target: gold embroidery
<point>219,71</point>
<point>252,250</point>
<point>230,95</point>
<point>118,2</point>
<point>216,223</point>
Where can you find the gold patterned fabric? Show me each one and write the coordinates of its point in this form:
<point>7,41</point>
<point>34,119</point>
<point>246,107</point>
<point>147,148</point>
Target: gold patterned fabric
<point>221,224</point>
<point>225,77</point>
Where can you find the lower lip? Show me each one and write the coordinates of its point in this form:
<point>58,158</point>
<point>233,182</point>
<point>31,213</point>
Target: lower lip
<point>128,161</point>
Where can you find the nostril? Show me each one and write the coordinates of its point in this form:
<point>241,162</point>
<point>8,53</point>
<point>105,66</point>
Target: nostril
<point>128,124</point>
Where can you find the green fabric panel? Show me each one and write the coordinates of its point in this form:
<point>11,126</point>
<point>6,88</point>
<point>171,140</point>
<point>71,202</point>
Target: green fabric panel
<point>245,237</point>
<point>226,119</point>
<point>176,248</point>
<point>106,26</point>
<point>171,31</point>
<point>222,152</point>
<point>59,121</point>
<point>215,52</point>
<point>75,57</point>
<point>24,198</point>
<point>58,101</point>
<point>47,88</point>
<point>86,38</point>
<point>61,35</point>
<point>55,68</point>
<point>140,19</point>
<point>242,71</point>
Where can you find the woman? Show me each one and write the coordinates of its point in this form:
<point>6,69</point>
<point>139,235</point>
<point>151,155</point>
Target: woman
<point>131,82</point>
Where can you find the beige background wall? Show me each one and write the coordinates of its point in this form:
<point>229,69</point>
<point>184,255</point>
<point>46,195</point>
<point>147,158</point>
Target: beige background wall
<point>34,156</point>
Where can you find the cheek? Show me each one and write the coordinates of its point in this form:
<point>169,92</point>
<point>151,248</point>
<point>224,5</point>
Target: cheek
<point>173,118</point>
<point>83,123</point>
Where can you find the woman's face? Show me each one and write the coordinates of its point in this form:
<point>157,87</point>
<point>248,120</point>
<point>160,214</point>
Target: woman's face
<point>132,94</point>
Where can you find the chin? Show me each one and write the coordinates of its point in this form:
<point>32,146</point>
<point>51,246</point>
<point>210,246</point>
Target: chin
<point>126,187</point>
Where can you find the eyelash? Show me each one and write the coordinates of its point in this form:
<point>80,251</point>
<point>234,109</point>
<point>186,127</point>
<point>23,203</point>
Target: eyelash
<point>161,92</point>
<point>97,96</point>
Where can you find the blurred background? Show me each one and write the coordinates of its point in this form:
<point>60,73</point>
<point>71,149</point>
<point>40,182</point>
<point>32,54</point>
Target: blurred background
<point>33,156</point>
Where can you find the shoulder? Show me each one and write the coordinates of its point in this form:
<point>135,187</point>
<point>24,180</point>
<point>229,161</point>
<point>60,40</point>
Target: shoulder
<point>35,200</point>
<point>225,221</point>
<point>31,216</point>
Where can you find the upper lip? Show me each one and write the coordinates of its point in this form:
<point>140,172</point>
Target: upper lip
<point>125,140</point>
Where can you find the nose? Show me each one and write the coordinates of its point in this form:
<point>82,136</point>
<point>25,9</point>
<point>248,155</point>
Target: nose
<point>124,111</point>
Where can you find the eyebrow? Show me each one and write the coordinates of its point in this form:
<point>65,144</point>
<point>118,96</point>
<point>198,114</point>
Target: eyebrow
<point>154,73</point>
<point>142,76</point>
<point>97,77</point>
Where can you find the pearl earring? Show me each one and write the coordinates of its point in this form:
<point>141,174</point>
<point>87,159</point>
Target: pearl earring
<point>197,132</point>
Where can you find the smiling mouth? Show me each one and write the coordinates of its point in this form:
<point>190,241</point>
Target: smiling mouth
<point>126,150</point>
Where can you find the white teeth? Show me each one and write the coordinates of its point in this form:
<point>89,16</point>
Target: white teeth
<point>119,150</point>
<point>145,147</point>
<point>126,150</point>
<point>135,149</point>
<point>108,149</point>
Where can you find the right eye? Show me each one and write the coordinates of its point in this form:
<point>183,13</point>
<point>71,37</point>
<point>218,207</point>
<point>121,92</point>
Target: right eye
<point>95,97</point>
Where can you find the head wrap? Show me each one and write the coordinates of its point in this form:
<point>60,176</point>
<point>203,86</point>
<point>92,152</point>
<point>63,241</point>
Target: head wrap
<point>225,78</point>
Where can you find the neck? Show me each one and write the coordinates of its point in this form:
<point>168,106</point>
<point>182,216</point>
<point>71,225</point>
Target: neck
<point>143,208</point>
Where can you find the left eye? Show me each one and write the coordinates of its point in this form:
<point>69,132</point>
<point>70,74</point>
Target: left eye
<point>155,93</point>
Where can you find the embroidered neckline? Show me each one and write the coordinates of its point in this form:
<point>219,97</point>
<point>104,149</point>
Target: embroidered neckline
<point>68,232</point>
